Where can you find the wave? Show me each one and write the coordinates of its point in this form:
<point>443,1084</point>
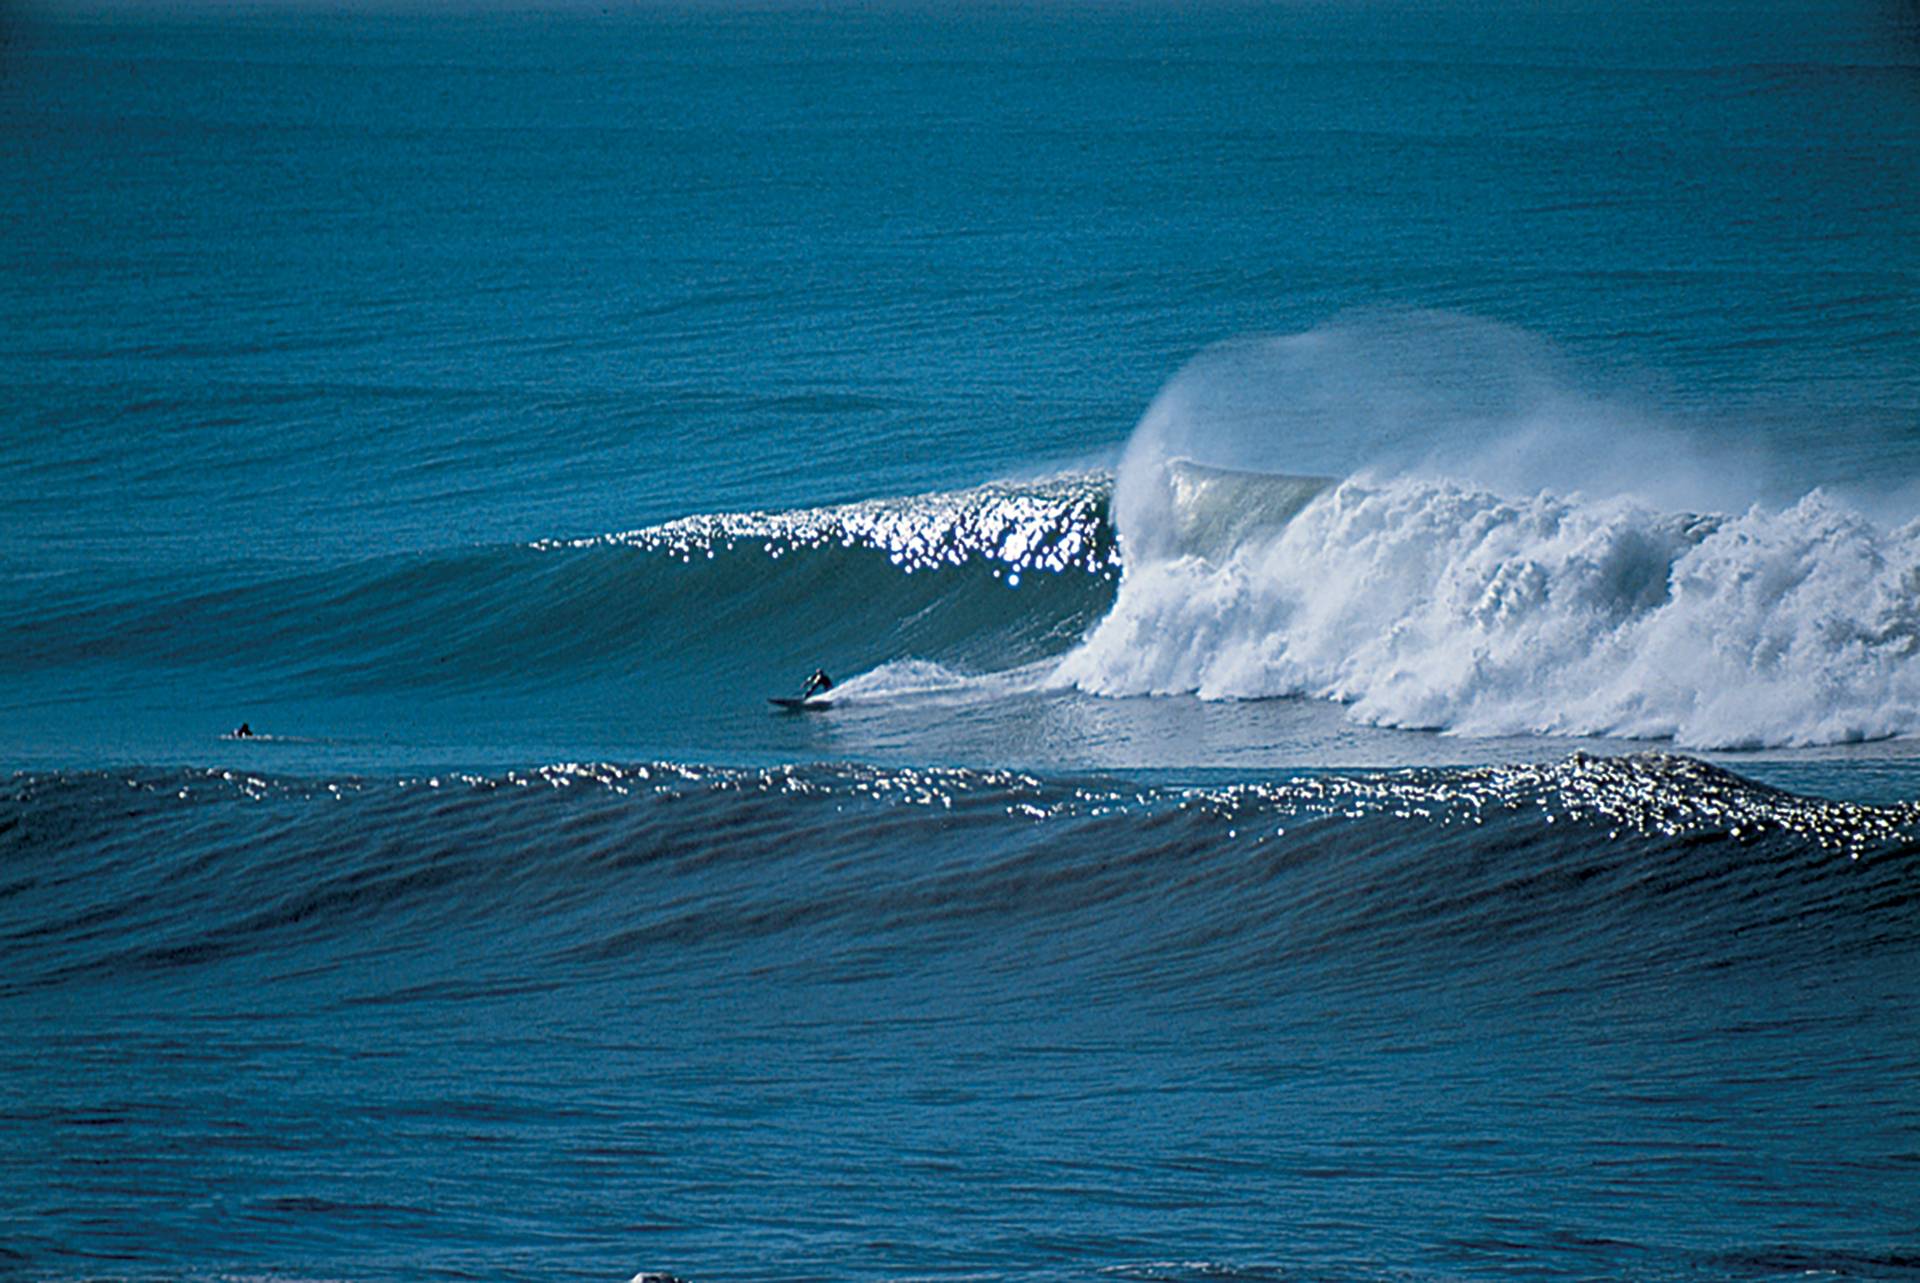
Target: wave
<point>1419,603</point>
<point>1205,567</point>
<point>1055,524</point>
<point>589,866</point>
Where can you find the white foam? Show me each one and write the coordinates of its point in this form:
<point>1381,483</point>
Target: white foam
<point>927,681</point>
<point>1431,604</point>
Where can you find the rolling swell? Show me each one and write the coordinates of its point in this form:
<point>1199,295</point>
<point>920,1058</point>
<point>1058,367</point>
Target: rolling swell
<point>926,575</point>
<point>571,871</point>
<point>395,1005</point>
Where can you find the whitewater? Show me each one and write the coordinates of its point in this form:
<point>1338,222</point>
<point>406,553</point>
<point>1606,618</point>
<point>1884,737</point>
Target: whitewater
<point>1433,605</point>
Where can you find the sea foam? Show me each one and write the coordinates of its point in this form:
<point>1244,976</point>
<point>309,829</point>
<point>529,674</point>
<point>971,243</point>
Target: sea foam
<point>1435,605</point>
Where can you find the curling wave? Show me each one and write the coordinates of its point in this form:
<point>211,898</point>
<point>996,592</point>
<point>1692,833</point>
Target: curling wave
<point>1507,552</point>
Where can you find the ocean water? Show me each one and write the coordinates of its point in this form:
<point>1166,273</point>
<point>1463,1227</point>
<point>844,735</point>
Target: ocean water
<point>1371,558</point>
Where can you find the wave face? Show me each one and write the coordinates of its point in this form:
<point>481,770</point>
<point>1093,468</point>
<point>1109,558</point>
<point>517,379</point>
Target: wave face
<point>122,874</point>
<point>924,576</point>
<point>709,994</point>
<point>990,576</point>
<point>1433,605</point>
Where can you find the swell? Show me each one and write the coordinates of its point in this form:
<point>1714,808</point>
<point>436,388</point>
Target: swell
<point>994,576</point>
<point>1641,865</point>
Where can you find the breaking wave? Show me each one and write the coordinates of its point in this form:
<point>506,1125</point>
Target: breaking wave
<point>1244,551</point>
<point>1424,597</point>
<point>1428,604</point>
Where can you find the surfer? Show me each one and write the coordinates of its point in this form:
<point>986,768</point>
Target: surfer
<point>244,733</point>
<point>819,682</point>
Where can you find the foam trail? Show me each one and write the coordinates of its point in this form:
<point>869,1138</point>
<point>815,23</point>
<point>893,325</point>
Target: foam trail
<point>926,681</point>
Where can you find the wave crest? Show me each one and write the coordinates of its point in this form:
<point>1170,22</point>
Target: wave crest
<point>1055,524</point>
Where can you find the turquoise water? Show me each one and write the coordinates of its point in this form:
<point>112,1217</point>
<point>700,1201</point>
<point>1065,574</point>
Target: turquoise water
<point>1232,462</point>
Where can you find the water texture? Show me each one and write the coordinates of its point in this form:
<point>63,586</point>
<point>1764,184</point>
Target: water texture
<point>1369,558</point>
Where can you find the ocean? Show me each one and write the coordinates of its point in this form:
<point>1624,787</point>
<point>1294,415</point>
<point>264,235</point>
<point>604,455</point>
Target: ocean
<point>1369,555</point>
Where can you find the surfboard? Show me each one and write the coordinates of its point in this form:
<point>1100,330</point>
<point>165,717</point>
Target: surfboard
<point>808,705</point>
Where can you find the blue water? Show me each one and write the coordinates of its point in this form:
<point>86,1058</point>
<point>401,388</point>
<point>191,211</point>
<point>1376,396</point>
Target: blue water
<point>1371,561</point>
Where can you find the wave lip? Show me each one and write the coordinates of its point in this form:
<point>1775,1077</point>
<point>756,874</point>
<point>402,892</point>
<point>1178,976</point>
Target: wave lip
<point>1055,524</point>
